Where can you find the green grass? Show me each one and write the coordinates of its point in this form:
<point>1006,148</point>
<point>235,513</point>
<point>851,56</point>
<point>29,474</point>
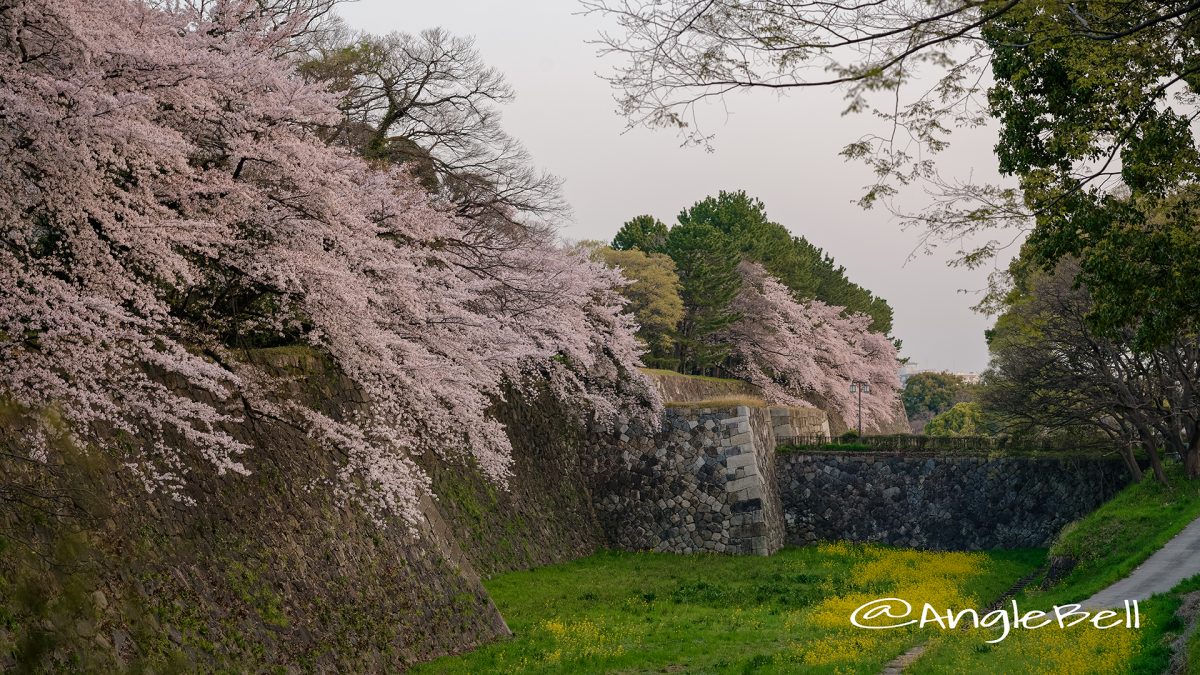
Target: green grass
<point>1163,626</point>
<point>1108,544</point>
<point>1193,652</point>
<point>635,613</point>
<point>642,613</point>
<point>1076,650</point>
<point>1051,650</point>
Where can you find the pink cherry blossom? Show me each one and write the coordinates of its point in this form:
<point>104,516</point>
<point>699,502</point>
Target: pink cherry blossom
<point>802,353</point>
<point>155,152</point>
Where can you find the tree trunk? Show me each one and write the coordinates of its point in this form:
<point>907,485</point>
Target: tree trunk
<point>1191,462</point>
<point>1131,463</point>
<point>1191,457</point>
<point>1149,442</point>
<point>1156,464</point>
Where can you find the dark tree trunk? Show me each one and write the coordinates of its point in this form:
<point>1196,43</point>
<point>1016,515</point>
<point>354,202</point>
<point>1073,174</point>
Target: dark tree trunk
<point>1191,454</point>
<point>1192,458</point>
<point>1131,463</point>
<point>1191,462</point>
<point>1156,464</point>
<point>1150,443</point>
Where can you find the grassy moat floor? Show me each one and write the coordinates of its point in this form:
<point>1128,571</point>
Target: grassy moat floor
<point>645,612</point>
<point>790,613</point>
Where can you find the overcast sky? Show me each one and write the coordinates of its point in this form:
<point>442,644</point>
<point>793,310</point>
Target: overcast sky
<point>782,150</point>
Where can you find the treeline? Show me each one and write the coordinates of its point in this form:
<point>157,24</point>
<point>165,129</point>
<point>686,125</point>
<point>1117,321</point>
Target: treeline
<point>1057,378</point>
<point>1095,106</point>
<point>1055,372</point>
<point>685,277</point>
<point>943,404</point>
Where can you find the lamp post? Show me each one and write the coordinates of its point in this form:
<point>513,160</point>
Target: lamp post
<point>858,387</point>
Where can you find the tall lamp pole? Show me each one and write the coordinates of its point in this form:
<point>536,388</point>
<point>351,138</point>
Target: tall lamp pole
<point>858,387</point>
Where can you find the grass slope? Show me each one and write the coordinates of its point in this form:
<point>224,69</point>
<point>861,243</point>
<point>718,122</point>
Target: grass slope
<point>1112,540</point>
<point>633,613</point>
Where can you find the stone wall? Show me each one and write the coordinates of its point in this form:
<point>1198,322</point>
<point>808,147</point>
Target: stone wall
<point>545,515</point>
<point>704,481</point>
<point>788,423</point>
<point>941,503</point>
<point>266,572</point>
<point>273,571</point>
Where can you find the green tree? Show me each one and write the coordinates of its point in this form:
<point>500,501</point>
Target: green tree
<point>743,219</point>
<point>932,392</point>
<point>927,395</point>
<point>804,268</point>
<point>1063,101</point>
<point>706,261</point>
<point>1051,371</point>
<point>644,233</point>
<point>653,294</point>
<point>964,419</point>
<point>835,288</point>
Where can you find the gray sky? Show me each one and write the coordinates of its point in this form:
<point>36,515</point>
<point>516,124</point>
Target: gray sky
<point>783,150</point>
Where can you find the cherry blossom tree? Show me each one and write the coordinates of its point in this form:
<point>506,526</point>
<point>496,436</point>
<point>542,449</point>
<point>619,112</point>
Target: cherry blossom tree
<point>167,202</point>
<point>804,352</point>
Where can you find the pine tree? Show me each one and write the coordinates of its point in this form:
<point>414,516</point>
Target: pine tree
<point>644,233</point>
<point>706,261</point>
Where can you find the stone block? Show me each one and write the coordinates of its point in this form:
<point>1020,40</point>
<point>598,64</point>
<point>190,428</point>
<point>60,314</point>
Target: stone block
<point>742,483</point>
<point>743,438</point>
<point>740,460</point>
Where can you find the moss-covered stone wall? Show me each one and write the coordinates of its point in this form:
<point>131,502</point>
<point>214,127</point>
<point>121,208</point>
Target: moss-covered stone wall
<point>265,573</point>
<point>272,572</point>
<point>545,515</point>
